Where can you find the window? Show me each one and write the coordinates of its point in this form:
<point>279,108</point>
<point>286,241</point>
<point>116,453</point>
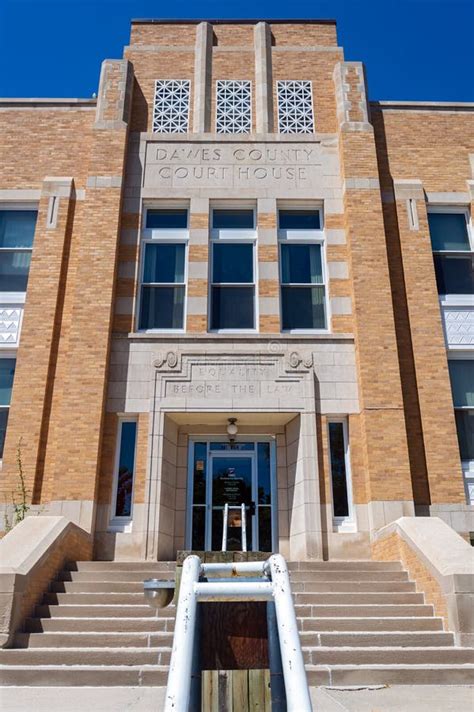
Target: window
<point>171,106</point>
<point>340,474</point>
<point>17,229</point>
<point>233,270</point>
<point>7,373</point>
<point>295,107</point>
<point>452,252</point>
<point>163,283</point>
<point>303,291</point>
<point>461,372</point>
<point>124,471</point>
<point>233,106</point>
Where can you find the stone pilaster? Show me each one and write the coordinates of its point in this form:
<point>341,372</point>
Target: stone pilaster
<point>429,351</point>
<point>202,78</point>
<point>383,428</point>
<point>263,78</point>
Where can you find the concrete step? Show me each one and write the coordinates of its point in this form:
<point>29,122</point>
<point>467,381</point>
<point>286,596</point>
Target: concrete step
<point>353,587</point>
<point>84,675</point>
<point>363,610</point>
<point>364,565</point>
<point>85,656</point>
<point>422,674</point>
<point>120,576</point>
<point>371,624</point>
<point>350,599</point>
<point>92,599</point>
<point>387,656</point>
<point>359,639</point>
<point>69,639</point>
<point>98,625</point>
<point>299,587</point>
<point>104,611</point>
<point>120,565</point>
<point>350,575</point>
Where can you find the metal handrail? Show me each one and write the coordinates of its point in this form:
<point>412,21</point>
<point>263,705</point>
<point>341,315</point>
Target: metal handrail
<point>225,524</point>
<point>273,585</point>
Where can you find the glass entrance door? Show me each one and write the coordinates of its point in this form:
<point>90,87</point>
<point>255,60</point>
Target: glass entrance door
<point>221,473</point>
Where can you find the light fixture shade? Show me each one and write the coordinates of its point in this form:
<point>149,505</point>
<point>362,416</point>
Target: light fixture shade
<point>232,429</point>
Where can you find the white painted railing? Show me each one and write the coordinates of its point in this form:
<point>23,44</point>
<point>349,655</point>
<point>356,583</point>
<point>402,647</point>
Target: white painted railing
<point>225,525</point>
<point>272,584</point>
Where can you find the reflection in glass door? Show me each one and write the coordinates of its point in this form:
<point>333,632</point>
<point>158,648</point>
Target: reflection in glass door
<point>221,473</point>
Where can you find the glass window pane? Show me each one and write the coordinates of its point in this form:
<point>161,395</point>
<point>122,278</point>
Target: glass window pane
<point>233,219</point>
<point>17,228</point>
<point>231,481</point>
<point>232,263</point>
<point>167,219</point>
<point>264,528</point>
<point>448,231</point>
<point>462,381</point>
<point>303,308</point>
<point>200,460</point>
<point>14,268</point>
<point>3,428</point>
<point>263,473</point>
<point>232,308</point>
<point>301,264</point>
<point>454,275</point>
<point>164,263</point>
<point>465,426</point>
<point>162,308</point>
<point>338,470</point>
<point>123,507</point>
<point>199,529</point>
<point>299,220</point>
<point>7,372</point>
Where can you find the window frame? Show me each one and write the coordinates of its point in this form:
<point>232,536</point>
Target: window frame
<point>18,297</point>
<point>166,236</point>
<point>239,237</point>
<point>467,466</point>
<point>304,237</point>
<point>10,354</point>
<point>122,523</point>
<point>452,298</point>
<point>342,524</point>
<point>216,118</point>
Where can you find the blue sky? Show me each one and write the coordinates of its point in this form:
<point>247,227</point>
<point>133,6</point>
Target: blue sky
<point>412,49</point>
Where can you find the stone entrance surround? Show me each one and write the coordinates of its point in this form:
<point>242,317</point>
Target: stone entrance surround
<point>277,388</point>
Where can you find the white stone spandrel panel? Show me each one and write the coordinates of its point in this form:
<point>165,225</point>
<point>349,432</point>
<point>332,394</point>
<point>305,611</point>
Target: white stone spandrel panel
<point>10,324</point>
<point>458,325</point>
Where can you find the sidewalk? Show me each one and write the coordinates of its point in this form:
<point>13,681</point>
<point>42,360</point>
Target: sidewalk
<point>399,698</point>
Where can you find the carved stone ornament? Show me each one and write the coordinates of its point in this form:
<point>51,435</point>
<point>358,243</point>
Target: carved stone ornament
<point>172,359</point>
<point>308,361</point>
<point>294,359</point>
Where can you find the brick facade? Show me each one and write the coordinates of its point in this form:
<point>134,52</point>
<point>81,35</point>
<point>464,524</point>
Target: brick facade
<point>381,364</point>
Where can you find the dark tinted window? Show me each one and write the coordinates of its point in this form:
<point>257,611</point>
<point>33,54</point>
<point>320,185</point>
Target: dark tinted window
<point>167,219</point>
<point>301,264</point>
<point>164,263</point>
<point>162,308</point>
<point>448,231</point>
<point>123,507</point>
<point>17,228</point>
<point>454,274</point>
<point>299,220</point>
<point>232,308</point>
<point>338,470</point>
<point>233,219</point>
<point>303,308</point>
<point>232,262</point>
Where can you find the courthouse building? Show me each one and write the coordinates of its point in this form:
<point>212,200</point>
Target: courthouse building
<point>232,278</point>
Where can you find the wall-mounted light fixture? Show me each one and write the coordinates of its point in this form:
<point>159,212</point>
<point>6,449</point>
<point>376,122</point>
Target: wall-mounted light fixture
<point>232,429</point>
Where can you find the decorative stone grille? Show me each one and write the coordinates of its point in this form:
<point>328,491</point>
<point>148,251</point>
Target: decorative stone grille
<point>295,107</point>
<point>233,106</point>
<point>171,107</point>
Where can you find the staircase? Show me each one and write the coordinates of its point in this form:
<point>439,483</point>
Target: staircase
<point>361,623</point>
